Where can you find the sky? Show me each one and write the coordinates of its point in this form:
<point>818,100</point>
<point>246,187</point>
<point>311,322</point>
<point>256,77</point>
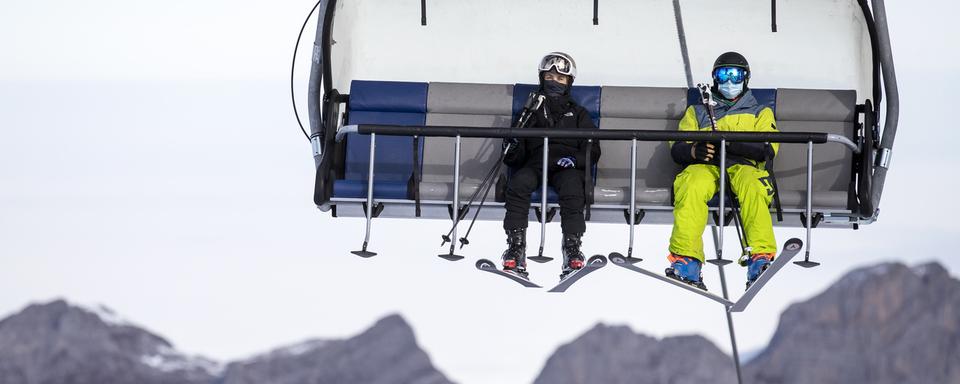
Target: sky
<point>150,162</point>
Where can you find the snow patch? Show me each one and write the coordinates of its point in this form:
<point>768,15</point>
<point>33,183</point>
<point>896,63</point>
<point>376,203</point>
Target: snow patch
<point>860,275</point>
<point>108,316</point>
<point>304,347</point>
<point>167,359</point>
<point>926,269</point>
<point>292,350</point>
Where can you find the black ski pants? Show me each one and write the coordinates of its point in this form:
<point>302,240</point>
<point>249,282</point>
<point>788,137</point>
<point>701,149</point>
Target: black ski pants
<point>569,186</point>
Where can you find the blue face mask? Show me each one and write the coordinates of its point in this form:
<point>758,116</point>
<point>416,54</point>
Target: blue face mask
<point>730,90</point>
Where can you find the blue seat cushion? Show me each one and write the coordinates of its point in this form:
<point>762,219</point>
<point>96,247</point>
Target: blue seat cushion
<point>586,96</point>
<point>382,102</point>
<point>552,196</point>
<point>394,157</point>
<point>388,96</point>
<point>381,189</point>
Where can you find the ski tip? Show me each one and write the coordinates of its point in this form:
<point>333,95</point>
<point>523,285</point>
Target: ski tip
<point>793,244</point>
<point>597,261</point>
<point>485,264</point>
<point>617,258</point>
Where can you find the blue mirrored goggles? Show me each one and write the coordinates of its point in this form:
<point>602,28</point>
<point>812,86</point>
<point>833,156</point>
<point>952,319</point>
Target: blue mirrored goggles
<point>725,74</point>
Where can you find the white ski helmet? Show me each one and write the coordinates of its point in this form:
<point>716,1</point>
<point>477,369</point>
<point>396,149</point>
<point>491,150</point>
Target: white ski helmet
<point>559,62</point>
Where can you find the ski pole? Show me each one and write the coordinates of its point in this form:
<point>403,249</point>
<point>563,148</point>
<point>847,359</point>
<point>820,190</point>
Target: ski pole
<point>486,192</point>
<point>473,197</point>
<point>707,99</point>
<point>534,101</point>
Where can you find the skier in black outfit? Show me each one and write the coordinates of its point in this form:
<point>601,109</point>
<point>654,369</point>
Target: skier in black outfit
<point>566,167</point>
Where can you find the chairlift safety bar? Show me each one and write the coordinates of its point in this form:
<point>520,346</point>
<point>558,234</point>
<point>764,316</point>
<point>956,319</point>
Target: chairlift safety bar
<point>604,134</point>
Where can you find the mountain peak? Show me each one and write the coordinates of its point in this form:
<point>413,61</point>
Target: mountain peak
<point>888,323</point>
<point>932,269</point>
<point>387,352</point>
<point>392,323</point>
<point>616,354</point>
<point>62,342</point>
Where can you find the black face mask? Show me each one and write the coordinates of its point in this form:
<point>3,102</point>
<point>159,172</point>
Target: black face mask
<point>554,89</point>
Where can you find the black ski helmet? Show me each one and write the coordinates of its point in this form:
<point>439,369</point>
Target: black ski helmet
<point>732,59</point>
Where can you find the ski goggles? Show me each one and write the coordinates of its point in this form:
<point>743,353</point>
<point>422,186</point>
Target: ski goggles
<point>735,74</point>
<point>561,64</point>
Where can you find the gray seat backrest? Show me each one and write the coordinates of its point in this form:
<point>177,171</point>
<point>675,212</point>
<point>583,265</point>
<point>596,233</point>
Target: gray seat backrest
<point>647,108</point>
<point>463,104</point>
<point>807,110</point>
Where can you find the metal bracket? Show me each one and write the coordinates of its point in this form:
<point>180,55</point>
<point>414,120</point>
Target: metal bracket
<point>315,144</point>
<point>727,218</point>
<point>463,211</point>
<point>637,216</point>
<point>550,213</point>
<point>883,157</point>
<point>817,218</point>
<point>377,209</point>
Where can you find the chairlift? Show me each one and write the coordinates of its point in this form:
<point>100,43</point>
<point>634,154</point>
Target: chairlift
<point>407,113</point>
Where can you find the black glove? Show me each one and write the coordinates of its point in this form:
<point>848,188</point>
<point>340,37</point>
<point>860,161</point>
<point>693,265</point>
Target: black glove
<point>512,142</point>
<point>704,151</point>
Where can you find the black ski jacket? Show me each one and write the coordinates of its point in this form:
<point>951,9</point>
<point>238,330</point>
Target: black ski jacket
<point>561,113</point>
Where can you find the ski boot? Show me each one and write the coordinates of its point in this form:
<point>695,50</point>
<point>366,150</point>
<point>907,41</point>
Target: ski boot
<point>685,269</point>
<point>572,257</point>
<point>515,257</point>
<point>756,264</point>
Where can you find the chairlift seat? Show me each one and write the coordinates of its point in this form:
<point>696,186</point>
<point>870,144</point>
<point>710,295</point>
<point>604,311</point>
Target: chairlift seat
<point>381,102</point>
<point>611,107</point>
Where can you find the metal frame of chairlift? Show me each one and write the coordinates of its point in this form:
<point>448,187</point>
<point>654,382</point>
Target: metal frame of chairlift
<point>634,136</point>
<point>324,112</point>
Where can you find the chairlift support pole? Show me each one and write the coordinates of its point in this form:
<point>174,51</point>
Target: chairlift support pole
<point>892,102</point>
<point>633,195</point>
<point>723,192</point>
<point>540,258</point>
<point>369,208</point>
<point>456,202</point>
<point>806,263</point>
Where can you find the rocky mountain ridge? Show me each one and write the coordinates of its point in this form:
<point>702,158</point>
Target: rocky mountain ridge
<point>60,343</point>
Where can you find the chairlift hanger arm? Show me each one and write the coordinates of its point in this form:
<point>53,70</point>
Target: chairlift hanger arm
<point>892,116</point>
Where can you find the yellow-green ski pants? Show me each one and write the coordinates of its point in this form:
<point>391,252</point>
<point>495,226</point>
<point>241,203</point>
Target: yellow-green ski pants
<point>697,184</point>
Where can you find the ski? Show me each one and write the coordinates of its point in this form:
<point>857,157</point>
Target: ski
<point>489,266</point>
<point>594,263</point>
<point>621,261</point>
<point>790,249</point>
